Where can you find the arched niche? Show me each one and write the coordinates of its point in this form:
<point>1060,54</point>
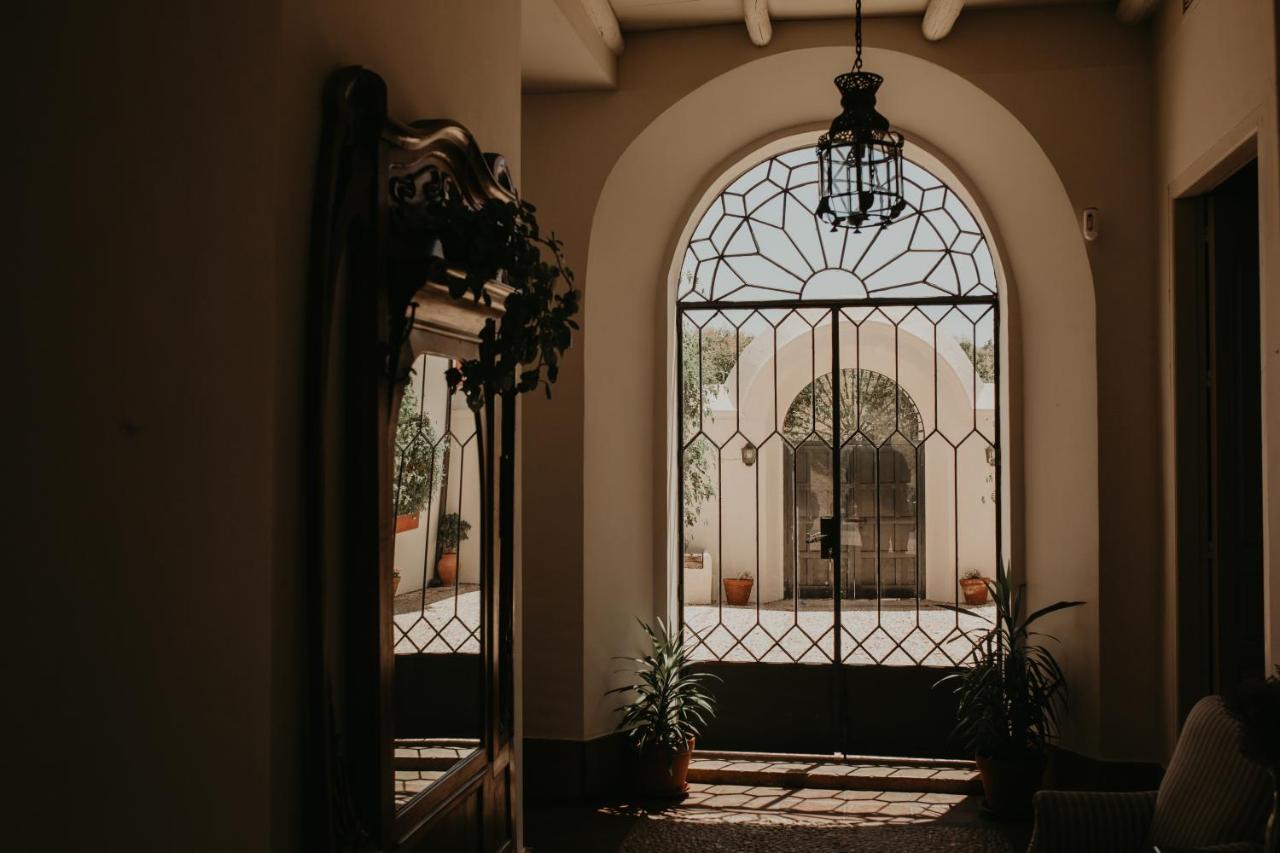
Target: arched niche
<point>638,232</point>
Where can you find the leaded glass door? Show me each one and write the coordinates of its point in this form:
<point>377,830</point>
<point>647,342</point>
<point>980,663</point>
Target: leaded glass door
<point>839,462</point>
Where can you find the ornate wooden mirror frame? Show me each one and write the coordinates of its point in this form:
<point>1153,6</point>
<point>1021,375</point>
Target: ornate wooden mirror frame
<point>379,297</point>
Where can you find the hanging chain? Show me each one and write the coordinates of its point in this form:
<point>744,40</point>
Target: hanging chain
<point>857,36</point>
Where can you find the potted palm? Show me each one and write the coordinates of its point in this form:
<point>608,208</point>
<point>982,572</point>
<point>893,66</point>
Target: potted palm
<point>737,590</point>
<point>417,462</point>
<point>1011,691</point>
<point>974,587</point>
<point>453,532</point>
<point>670,705</point>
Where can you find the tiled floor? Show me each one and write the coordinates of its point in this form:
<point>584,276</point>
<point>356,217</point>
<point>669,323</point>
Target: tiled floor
<point>418,764</point>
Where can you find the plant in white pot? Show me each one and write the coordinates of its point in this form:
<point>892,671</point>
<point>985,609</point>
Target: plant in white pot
<point>669,708</point>
<point>1011,692</point>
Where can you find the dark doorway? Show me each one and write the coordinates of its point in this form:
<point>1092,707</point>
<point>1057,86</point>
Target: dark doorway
<point>1219,427</point>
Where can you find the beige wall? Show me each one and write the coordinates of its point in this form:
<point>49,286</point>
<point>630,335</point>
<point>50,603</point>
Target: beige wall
<point>1216,95</point>
<point>1073,81</point>
<point>162,176</point>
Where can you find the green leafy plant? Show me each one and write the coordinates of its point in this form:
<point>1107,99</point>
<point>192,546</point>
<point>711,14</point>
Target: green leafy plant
<point>418,468</point>
<point>1011,689</point>
<point>671,703</point>
<point>502,239</point>
<point>453,531</point>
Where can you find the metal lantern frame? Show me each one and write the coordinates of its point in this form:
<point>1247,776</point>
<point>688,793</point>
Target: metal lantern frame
<point>860,157</point>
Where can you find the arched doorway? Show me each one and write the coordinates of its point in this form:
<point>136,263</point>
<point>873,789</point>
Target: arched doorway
<point>826,525</point>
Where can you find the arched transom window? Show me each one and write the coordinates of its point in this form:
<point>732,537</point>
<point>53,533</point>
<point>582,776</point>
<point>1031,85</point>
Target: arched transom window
<point>760,241</point>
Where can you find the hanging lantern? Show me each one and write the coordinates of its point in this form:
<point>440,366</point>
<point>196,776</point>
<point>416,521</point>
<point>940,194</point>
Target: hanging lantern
<point>860,158</point>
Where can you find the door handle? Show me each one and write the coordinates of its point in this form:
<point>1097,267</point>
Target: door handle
<point>827,532</point>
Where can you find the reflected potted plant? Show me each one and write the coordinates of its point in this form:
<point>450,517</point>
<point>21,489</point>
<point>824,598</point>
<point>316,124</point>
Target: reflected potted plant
<point>1011,691</point>
<point>974,587</point>
<point>453,532</point>
<point>395,583</point>
<point>417,462</point>
<point>671,705</point>
<point>737,590</point>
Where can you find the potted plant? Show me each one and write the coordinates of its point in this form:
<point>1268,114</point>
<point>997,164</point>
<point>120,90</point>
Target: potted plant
<point>395,583</point>
<point>737,590</point>
<point>1011,690</point>
<point>417,462</point>
<point>670,706</point>
<point>974,587</point>
<point>1256,707</point>
<point>453,531</point>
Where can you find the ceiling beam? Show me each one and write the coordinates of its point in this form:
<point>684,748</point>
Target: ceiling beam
<point>756,15</point>
<point>1135,11</point>
<point>606,23</point>
<point>940,17</point>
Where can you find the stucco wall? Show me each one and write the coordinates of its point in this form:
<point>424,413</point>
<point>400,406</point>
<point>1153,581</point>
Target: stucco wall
<point>1061,75</point>
<point>1216,95</point>
<point>156,264</point>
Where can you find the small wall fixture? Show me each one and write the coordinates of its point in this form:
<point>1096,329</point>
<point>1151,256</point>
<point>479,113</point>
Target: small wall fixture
<point>748,454</point>
<point>1089,223</point>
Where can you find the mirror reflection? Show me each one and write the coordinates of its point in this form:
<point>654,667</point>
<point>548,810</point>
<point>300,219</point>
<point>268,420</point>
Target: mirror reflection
<point>438,685</point>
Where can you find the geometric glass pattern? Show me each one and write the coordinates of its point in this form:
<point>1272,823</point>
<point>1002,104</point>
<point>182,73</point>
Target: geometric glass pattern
<point>845,512</point>
<point>760,240</point>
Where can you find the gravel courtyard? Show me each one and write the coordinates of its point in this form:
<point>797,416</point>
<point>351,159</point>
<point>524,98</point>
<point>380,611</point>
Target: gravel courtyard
<point>898,632</point>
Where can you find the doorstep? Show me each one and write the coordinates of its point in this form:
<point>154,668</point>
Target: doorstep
<point>834,772</point>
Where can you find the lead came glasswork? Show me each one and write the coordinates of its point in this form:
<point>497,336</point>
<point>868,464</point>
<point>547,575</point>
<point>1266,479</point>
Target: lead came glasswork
<point>772,305</point>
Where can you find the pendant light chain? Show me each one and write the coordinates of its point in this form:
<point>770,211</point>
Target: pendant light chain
<point>857,36</point>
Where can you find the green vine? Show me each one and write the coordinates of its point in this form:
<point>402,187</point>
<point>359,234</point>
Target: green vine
<point>503,238</point>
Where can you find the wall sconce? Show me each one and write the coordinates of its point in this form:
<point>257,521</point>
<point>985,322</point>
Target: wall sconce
<point>748,454</point>
<point>991,455</point>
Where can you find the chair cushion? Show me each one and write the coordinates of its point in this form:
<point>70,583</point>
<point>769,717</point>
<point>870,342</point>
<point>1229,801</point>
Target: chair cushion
<point>1211,793</point>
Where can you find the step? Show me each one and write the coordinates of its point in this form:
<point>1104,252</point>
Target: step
<point>834,772</point>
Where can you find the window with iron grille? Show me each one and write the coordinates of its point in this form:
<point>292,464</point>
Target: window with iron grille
<point>829,521</point>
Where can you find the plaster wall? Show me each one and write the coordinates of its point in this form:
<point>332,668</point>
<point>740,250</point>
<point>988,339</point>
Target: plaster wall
<point>689,103</point>
<point>1216,107</point>
<point>161,187</point>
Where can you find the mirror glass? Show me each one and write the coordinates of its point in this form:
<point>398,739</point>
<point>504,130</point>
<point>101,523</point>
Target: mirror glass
<point>438,685</point>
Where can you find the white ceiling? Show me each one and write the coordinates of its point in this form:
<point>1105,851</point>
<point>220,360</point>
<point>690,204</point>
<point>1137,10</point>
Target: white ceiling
<point>659,14</point>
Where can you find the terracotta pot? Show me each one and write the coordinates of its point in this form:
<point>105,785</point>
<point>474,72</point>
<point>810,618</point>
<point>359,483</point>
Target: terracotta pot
<point>1009,784</point>
<point>447,568</point>
<point>974,589</point>
<point>663,773</point>
<point>406,522</point>
<point>395,584</point>
<point>737,590</point>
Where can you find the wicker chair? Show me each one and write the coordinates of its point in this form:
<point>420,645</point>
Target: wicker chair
<point>1212,799</point>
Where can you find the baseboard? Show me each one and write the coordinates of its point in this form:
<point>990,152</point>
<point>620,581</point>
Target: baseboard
<point>1073,771</point>
<point>573,771</point>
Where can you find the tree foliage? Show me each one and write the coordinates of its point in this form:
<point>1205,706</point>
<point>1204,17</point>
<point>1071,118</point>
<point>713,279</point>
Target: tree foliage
<point>418,457</point>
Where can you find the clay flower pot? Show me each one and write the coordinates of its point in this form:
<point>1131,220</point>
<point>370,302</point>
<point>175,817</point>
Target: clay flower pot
<point>1009,784</point>
<point>974,589</point>
<point>406,522</point>
<point>447,568</point>
<point>663,773</point>
<point>738,590</point>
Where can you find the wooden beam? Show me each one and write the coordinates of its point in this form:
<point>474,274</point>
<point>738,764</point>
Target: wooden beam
<point>606,23</point>
<point>939,17</point>
<point>1135,11</point>
<point>759,26</point>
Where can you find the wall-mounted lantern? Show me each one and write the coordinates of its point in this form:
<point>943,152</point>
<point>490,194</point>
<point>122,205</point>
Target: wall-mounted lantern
<point>748,454</point>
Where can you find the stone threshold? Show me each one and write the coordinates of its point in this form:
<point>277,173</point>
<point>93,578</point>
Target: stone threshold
<point>835,772</point>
